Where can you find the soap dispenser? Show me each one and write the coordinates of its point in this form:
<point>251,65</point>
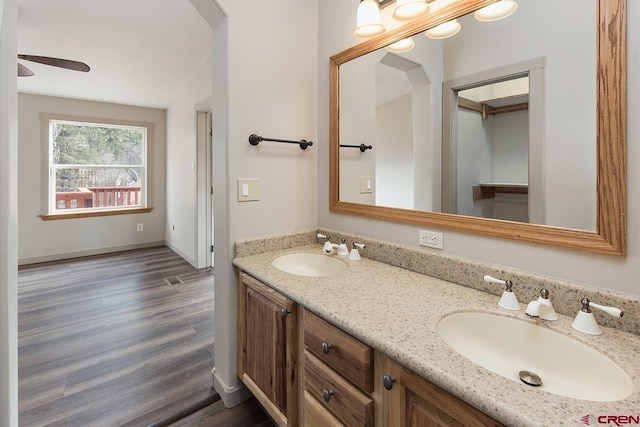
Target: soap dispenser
<point>508,300</point>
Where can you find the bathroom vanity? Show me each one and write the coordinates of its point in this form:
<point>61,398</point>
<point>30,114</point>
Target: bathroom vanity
<point>361,347</point>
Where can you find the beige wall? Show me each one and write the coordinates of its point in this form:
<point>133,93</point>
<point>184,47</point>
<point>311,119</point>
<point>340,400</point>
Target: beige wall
<point>265,82</point>
<point>182,162</point>
<point>336,20</point>
<point>45,240</point>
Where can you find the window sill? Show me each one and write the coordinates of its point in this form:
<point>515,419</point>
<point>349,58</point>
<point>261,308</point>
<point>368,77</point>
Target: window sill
<point>51,217</point>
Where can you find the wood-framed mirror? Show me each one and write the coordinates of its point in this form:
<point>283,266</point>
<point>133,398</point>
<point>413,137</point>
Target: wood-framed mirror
<point>609,234</point>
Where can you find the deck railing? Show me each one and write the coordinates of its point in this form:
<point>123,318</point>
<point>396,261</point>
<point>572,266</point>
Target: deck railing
<point>98,197</point>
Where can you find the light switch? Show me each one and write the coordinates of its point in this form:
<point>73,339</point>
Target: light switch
<point>366,184</point>
<point>248,189</point>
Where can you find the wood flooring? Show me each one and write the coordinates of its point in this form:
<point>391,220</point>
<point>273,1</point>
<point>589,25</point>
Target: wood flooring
<point>123,339</point>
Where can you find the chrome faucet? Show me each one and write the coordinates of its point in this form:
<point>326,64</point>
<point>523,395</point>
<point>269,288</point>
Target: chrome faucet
<point>542,307</point>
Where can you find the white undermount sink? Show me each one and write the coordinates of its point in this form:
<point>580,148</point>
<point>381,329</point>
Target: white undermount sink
<point>309,264</point>
<point>508,346</point>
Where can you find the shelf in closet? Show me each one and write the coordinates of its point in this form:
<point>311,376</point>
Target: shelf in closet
<point>489,190</point>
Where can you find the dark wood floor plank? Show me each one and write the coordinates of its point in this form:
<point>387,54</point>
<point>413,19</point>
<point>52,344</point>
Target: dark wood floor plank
<point>247,414</point>
<point>106,341</point>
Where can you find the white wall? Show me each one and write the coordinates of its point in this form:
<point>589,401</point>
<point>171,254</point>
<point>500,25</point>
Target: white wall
<point>45,240</point>
<point>395,172</point>
<point>337,19</point>
<point>182,164</point>
<point>266,52</point>
<point>8,215</point>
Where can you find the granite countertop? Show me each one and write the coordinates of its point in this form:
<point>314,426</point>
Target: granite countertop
<point>396,311</point>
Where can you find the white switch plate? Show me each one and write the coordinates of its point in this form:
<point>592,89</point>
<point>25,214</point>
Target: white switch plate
<point>431,239</point>
<point>366,184</point>
<point>248,189</point>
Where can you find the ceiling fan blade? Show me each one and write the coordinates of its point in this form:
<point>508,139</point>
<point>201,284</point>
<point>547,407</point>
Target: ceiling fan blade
<point>24,71</point>
<point>57,62</point>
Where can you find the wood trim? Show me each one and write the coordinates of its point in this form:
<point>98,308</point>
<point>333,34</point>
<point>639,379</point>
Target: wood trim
<point>610,237</point>
<point>51,217</point>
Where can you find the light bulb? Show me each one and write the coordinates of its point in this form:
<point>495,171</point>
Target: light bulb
<point>444,30</point>
<point>407,10</point>
<point>404,45</point>
<point>495,11</point>
<point>368,21</point>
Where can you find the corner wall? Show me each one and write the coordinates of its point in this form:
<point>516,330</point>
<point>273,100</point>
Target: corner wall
<point>265,82</point>
<point>8,215</point>
<point>48,240</point>
<point>182,163</point>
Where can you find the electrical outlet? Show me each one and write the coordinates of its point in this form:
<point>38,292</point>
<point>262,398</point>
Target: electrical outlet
<point>431,239</point>
<point>140,227</point>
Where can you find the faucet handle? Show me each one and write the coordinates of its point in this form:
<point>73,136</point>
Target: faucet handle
<point>615,312</point>
<point>322,236</point>
<point>508,300</point>
<point>354,255</point>
<point>586,322</point>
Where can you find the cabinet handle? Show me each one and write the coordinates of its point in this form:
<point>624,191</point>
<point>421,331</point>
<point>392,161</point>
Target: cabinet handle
<point>326,394</point>
<point>388,381</point>
<point>284,313</point>
<point>326,347</point>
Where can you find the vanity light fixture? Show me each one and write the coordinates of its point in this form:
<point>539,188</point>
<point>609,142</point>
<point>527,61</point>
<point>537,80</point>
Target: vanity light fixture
<point>404,45</point>
<point>407,10</point>
<point>496,11</point>
<point>444,30</point>
<point>369,20</point>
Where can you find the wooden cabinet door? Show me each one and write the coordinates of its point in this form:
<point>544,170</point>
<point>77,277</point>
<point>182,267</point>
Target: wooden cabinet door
<point>416,402</point>
<point>267,348</point>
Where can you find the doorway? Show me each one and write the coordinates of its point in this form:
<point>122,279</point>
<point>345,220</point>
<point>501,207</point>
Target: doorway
<point>204,155</point>
<point>454,99</point>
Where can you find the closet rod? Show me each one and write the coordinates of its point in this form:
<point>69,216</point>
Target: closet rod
<point>256,139</point>
<point>362,147</point>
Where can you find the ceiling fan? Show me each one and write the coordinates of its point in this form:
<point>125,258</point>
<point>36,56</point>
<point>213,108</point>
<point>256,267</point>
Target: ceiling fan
<point>47,60</point>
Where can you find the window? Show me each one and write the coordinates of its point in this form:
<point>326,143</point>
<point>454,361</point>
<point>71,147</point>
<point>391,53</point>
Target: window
<point>96,167</point>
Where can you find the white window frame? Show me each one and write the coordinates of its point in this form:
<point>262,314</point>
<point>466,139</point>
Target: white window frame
<point>49,208</point>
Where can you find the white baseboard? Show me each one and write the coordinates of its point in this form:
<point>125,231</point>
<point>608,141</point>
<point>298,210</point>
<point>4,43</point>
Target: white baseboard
<point>231,396</point>
<point>186,257</point>
<point>99,251</point>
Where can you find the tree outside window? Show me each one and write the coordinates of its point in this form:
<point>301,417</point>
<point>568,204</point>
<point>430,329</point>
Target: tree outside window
<point>96,166</point>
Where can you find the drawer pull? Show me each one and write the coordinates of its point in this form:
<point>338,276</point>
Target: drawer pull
<point>326,394</point>
<point>284,313</point>
<point>388,381</point>
<point>326,347</point>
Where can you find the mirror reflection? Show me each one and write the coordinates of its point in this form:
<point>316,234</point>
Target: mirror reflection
<point>497,121</point>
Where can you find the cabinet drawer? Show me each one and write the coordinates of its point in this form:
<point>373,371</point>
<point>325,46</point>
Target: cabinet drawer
<point>315,414</point>
<point>346,402</point>
<point>350,357</point>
